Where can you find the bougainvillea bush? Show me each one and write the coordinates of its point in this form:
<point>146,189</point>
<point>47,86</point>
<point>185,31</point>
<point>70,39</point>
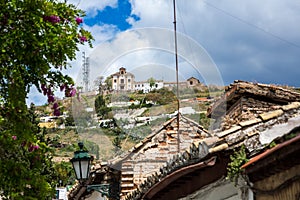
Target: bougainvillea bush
<point>37,38</point>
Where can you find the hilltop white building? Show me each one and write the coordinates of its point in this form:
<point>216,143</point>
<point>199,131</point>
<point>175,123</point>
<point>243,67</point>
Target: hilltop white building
<point>145,86</point>
<point>123,80</point>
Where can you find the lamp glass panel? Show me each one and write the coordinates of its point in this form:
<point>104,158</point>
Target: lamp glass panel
<point>76,166</point>
<point>85,167</point>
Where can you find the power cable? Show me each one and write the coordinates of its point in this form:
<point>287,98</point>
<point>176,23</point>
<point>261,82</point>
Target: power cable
<point>252,25</point>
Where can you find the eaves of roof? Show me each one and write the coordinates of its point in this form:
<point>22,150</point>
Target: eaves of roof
<point>269,152</point>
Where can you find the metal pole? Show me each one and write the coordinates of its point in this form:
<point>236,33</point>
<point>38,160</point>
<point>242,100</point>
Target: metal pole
<point>176,62</point>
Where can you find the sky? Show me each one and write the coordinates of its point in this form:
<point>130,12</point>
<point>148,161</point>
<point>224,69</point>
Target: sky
<point>218,41</point>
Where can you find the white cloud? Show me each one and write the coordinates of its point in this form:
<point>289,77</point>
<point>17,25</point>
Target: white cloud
<point>236,34</point>
<point>151,47</point>
<point>92,6</point>
<point>260,37</point>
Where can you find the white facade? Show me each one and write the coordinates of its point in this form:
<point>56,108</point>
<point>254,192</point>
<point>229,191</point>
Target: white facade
<point>123,81</point>
<point>145,86</point>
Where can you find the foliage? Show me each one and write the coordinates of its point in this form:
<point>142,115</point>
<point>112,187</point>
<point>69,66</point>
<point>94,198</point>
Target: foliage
<point>64,173</point>
<point>69,121</point>
<point>204,121</point>
<point>26,168</point>
<point>108,83</point>
<point>151,82</point>
<point>37,40</point>
<point>101,108</point>
<point>92,147</point>
<point>165,96</point>
<point>103,86</point>
<point>117,144</point>
<point>234,167</point>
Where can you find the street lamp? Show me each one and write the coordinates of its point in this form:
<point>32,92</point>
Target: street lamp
<point>81,164</point>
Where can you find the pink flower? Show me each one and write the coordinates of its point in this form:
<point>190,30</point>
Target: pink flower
<point>43,86</point>
<point>23,144</point>
<point>55,106</point>
<point>73,92</point>
<point>14,137</point>
<point>53,19</point>
<point>82,39</point>
<point>35,147</point>
<point>56,112</point>
<point>78,20</point>
<point>62,87</point>
<point>51,99</point>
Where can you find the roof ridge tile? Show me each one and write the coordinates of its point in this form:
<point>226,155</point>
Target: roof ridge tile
<point>271,114</point>
<point>228,131</point>
<point>250,122</point>
<point>293,105</point>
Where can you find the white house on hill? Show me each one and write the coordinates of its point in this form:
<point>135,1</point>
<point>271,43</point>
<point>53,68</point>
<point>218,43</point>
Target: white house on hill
<point>123,80</point>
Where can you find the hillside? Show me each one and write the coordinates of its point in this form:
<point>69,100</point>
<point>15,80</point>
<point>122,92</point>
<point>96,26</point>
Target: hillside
<point>132,122</point>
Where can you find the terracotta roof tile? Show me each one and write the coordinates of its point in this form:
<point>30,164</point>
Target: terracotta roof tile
<point>271,115</point>
<point>229,131</point>
<point>250,122</point>
<point>293,105</point>
<point>218,148</point>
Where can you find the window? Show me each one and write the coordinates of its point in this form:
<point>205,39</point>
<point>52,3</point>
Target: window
<point>122,80</point>
<point>128,80</point>
<point>191,82</point>
<point>115,80</point>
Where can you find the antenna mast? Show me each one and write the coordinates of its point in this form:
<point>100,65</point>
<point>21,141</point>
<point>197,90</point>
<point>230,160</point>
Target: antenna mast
<point>177,84</point>
<point>86,72</point>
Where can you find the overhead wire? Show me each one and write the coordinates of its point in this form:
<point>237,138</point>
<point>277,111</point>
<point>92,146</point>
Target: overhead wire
<point>269,33</point>
<point>251,25</point>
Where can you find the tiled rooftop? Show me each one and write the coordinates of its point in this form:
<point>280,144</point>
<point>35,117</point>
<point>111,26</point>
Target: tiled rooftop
<point>256,134</point>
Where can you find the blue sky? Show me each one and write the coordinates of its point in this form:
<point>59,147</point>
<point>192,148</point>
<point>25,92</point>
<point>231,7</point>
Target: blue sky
<point>250,40</point>
<point>113,15</point>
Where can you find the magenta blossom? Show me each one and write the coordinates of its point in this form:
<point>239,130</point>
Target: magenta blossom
<point>33,148</point>
<point>55,106</point>
<point>51,99</point>
<point>73,92</point>
<point>82,39</point>
<point>14,137</point>
<point>56,112</point>
<point>62,87</point>
<point>79,20</point>
<point>53,19</point>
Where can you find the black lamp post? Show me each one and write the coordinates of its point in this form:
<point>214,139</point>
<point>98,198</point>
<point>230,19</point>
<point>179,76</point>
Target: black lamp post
<point>81,164</point>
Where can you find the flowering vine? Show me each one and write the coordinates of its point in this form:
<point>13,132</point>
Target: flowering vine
<point>38,39</point>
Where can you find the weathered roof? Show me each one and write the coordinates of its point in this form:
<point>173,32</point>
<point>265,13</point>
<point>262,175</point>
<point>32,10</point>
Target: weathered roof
<point>149,138</point>
<point>267,92</point>
<point>193,78</point>
<point>255,134</point>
